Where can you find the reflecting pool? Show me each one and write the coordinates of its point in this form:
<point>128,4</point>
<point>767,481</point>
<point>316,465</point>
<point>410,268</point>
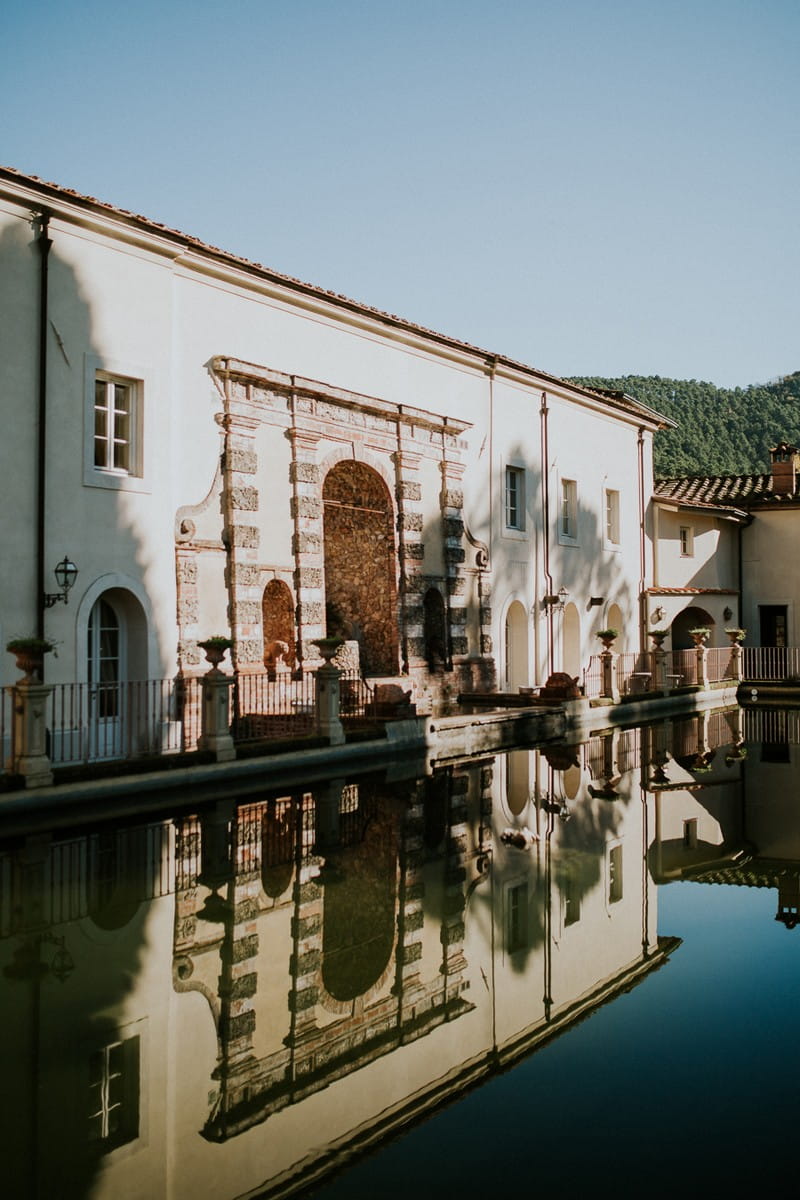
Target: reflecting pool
<point>577,964</point>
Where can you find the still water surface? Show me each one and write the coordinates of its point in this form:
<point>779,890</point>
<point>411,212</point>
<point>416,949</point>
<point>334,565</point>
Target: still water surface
<point>370,989</point>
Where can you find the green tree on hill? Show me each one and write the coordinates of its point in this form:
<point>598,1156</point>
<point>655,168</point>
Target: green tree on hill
<point>721,431</point>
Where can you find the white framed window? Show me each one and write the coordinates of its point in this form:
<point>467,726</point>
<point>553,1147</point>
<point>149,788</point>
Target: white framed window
<point>515,498</point>
<point>612,517</point>
<point>686,538</point>
<point>115,419</point>
<point>116,425</point>
<point>568,516</point>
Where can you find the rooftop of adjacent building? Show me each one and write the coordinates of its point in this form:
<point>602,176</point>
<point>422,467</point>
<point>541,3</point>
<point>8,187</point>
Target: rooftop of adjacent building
<point>780,486</point>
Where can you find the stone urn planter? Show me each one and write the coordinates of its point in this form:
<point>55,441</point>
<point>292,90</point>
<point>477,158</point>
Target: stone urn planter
<point>608,637</point>
<point>29,653</point>
<point>736,636</point>
<point>215,648</point>
<point>700,635</point>
<point>328,647</point>
<point>659,636</point>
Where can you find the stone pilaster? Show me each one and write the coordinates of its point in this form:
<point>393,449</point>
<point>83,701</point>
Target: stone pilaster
<point>452,503</point>
<point>307,543</point>
<point>242,540</point>
<point>411,551</point>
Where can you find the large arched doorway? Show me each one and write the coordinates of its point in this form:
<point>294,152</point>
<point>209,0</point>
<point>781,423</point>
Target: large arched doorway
<point>516,647</point>
<point>691,618</point>
<point>360,564</point>
<point>277,620</point>
<point>571,633</point>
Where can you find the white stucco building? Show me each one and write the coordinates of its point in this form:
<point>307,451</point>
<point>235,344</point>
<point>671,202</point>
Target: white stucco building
<point>221,448</point>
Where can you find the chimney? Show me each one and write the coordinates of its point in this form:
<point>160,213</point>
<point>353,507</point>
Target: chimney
<point>784,468</point>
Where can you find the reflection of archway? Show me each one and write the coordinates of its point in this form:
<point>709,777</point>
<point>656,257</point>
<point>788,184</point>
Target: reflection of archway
<point>360,571</point>
<point>359,915</point>
<point>277,616</point>
<point>517,780</point>
<point>572,641</point>
<point>278,832</point>
<point>516,647</point>
<point>614,621</point>
<point>691,618</point>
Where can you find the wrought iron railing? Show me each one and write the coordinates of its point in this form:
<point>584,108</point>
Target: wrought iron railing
<point>95,722</point>
<point>773,663</point>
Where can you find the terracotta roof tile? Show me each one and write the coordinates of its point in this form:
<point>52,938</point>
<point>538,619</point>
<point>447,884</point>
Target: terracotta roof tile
<point>719,491</point>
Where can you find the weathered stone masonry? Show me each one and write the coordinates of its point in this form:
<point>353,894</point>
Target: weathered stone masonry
<point>326,427</point>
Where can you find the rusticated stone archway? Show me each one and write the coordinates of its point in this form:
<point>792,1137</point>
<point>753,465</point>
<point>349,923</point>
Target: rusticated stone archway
<point>360,564</point>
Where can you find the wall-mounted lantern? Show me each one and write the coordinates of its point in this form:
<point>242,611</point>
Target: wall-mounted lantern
<point>66,573</point>
<point>557,601</point>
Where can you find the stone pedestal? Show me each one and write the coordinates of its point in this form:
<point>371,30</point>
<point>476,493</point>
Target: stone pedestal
<point>608,676</point>
<point>329,723</point>
<point>660,681</point>
<point>29,733</point>
<point>702,666</point>
<point>216,734</point>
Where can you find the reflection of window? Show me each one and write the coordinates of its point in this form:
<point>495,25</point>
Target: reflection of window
<point>615,874</point>
<point>517,912</point>
<point>612,517</point>
<point>569,509</point>
<point>114,1093</point>
<point>686,535</point>
<point>515,498</point>
<point>572,897</point>
<point>115,418</point>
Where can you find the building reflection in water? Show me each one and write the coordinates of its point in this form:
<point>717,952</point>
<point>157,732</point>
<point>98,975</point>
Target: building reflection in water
<point>246,995</point>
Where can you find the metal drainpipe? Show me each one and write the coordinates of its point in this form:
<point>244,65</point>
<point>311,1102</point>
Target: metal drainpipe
<point>642,548</point>
<point>45,242</point>
<point>545,452</point>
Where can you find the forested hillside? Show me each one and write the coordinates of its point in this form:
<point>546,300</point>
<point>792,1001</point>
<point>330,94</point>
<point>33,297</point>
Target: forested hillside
<point>720,430</point>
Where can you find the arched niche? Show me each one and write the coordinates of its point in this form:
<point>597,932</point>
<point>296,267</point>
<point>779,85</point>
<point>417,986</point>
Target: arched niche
<point>614,620</point>
<point>277,621</point>
<point>571,634</point>
<point>515,666</point>
<point>434,629</point>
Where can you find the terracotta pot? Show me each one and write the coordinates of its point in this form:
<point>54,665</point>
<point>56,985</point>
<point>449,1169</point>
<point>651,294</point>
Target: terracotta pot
<point>31,662</point>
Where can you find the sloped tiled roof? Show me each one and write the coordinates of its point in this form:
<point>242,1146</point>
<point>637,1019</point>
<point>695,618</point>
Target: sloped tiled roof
<point>722,491</point>
<point>614,399</point>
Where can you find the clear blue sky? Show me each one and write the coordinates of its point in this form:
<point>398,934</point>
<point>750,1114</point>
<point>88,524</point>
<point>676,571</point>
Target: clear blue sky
<point>592,186</point>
